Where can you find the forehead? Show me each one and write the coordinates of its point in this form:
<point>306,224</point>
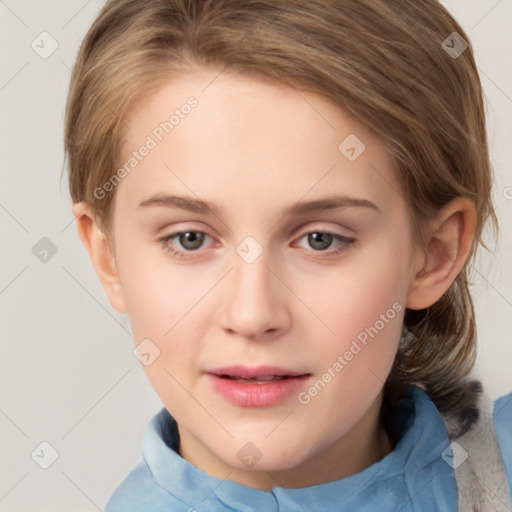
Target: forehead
<point>215,134</point>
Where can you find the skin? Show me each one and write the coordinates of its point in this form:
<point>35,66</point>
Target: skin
<point>254,149</point>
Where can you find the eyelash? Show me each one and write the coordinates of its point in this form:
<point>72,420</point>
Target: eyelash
<point>176,253</point>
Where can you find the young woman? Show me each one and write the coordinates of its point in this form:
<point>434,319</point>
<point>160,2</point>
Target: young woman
<point>286,199</point>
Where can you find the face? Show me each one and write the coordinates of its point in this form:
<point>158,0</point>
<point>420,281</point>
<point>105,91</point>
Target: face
<point>264,227</point>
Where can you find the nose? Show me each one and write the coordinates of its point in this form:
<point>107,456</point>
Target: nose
<point>256,301</point>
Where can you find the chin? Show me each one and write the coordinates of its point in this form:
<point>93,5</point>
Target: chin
<point>264,456</point>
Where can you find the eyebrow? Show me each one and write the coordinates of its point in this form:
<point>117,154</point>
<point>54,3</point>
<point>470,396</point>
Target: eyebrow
<point>190,204</point>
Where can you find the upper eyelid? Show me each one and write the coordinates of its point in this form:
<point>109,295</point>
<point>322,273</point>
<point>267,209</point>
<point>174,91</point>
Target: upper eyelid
<point>285,230</point>
<point>298,236</point>
<point>295,232</point>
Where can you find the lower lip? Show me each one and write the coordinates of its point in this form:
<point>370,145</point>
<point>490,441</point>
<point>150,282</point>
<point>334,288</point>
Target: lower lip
<point>257,395</point>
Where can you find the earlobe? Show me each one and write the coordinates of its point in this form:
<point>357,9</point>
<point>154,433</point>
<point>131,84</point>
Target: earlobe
<point>101,255</point>
<point>447,249</point>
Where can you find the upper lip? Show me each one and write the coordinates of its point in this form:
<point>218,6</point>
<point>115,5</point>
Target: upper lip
<point>249,372</point>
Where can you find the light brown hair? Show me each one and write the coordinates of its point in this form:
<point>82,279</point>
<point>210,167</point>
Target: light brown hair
<point>381,60</point>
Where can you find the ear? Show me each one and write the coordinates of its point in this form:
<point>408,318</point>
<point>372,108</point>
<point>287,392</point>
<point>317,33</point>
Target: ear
<point>448,245</point>
<point>101,254</point>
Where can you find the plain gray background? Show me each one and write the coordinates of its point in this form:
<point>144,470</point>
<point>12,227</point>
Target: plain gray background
<point>68,374</point>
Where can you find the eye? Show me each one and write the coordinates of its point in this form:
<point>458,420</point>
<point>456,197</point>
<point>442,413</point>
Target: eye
<point>189,240</point>
<point>322,240</point>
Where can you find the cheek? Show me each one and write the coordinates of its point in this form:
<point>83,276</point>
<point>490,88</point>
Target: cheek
<point>163,304</point>
<point>362,304</point>
<point>358,292</point>
<point>160,300</point>
<point>155,289</point>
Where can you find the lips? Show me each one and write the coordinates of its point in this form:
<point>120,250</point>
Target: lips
<point>257,380</point>
<point>261,386</point>
<point>256,373</point>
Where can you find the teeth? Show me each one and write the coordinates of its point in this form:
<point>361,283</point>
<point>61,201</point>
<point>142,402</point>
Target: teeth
<point>270,378</point>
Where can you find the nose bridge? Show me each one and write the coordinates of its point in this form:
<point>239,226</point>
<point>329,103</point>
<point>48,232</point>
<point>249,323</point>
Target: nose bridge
<point>251,277</point>
<point>253,305</point>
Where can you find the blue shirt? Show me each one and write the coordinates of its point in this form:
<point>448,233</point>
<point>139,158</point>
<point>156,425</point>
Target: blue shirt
<point>412,478</point>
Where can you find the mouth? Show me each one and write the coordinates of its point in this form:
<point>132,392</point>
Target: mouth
<point>262,373</point>
<point>256,380</point>
<point>261,386</point>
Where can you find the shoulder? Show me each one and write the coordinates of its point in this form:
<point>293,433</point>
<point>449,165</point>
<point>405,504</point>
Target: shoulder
<point>139,491</point>
<point>502,420</point>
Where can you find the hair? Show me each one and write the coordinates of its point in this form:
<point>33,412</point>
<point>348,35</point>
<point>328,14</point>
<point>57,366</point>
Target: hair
<point>383,61</point>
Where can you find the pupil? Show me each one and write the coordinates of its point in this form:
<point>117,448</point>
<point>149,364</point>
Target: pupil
<point>191,239</point>
<point>320,241</point>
